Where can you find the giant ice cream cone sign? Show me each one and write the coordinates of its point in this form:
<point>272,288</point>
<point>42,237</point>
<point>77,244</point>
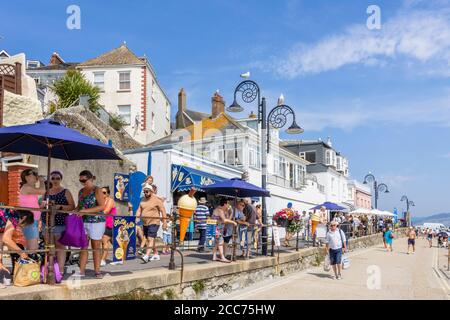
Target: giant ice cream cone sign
<point>186,207</point>
<point>315,219</point>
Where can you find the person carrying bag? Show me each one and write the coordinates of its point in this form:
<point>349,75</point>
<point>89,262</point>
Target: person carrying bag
<point>26,273</point>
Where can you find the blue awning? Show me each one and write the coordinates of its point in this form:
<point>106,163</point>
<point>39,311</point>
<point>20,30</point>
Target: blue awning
<point>185,178</point>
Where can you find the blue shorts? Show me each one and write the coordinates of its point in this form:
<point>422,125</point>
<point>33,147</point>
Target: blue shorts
<point>335,256</point>
<point>31,231</point>
<point>167,238</point>
<point>57,230</point>
<point>151,231</point>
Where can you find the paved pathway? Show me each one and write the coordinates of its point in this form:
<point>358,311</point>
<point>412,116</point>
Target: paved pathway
<point>400,276</point>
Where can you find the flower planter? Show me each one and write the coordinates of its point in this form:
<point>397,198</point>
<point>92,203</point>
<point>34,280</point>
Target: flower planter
<point>283,223</point>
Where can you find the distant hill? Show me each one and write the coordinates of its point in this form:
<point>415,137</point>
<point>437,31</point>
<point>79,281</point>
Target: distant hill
<point>443,218</point>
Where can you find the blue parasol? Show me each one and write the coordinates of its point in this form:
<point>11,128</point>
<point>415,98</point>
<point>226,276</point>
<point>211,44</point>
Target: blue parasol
<point>329,206</point>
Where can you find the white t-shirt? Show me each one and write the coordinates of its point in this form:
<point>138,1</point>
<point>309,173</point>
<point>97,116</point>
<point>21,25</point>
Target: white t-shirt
<point>334,239</point>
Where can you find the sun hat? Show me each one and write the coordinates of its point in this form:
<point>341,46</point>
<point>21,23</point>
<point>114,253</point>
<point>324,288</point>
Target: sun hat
<point>148,186</point>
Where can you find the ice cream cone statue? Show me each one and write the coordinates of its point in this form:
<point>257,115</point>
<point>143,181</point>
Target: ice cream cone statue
<point>315,220</point>
<point>186,207</point>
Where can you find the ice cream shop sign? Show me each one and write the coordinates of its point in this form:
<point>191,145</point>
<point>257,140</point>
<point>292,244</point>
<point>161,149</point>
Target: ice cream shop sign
<point>121,189</point>
<point>185,178</point>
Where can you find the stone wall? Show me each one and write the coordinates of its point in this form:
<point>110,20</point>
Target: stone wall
<point>82,119</point>
<point>207,284</point>
<point>20,110</point>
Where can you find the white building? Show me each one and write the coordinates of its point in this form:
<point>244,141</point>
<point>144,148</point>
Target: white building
<point>221,146</point>
<point>328,165</point>
<point>129,88</point>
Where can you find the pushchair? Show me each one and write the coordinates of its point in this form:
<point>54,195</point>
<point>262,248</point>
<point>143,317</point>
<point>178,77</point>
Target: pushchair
<point>442,239</point>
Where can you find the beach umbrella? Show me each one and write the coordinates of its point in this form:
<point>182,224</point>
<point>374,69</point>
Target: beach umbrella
<point>236,188</point>
<point>329,206</point>
<point>51,139</point>
<point>360,211</point>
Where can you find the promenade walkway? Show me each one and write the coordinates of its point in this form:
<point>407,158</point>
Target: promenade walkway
<point>374,274</point>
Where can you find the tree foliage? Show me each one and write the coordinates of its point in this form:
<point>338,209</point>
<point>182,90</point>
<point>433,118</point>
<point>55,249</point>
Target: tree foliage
<point>70,87</point>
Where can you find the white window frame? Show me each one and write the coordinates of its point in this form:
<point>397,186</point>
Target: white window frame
<point>153,90</point>
<point>167,111</point>
<point>282,169</point>
<point>121,114</point>
<point>276,166</point>
<point>153,122</point>
<point>122,81</point>
<point>102,87</point>
<point>252,162</point>
<point>328,157</point>
<point>302,155</point>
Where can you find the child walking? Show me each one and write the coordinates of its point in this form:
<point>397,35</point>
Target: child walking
<point>167,236</point>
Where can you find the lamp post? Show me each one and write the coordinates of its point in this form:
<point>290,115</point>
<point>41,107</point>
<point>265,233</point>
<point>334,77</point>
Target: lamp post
<point>408,204</point>
<point>382,187</point>
<point>250,91</point>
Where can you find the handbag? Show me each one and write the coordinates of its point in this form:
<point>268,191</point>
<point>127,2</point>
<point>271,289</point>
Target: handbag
<point>57,272</point>
<point>26,273</point>
<point>74,234</point>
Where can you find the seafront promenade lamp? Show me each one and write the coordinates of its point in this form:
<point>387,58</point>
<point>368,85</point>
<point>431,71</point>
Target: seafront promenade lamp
<point>249,91</point>
<point>409,203</point>
<point>382,187</point>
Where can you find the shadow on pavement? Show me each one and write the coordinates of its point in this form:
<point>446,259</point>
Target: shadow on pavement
<point>320,275</point>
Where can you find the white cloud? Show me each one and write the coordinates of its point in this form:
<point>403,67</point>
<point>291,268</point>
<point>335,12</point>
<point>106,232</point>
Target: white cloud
<point>421,36</point>
<point>350,115</point>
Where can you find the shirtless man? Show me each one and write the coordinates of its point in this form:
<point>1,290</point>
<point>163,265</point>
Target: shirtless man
<point>149,209</point>
<point>412,239</point>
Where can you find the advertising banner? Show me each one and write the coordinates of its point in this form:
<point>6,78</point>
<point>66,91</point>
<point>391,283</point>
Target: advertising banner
<point>210,233</point>
<point>121,188</point>
<point>124,238</point>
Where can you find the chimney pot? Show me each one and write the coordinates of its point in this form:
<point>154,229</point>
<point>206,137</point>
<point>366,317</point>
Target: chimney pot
<point>217,105</point>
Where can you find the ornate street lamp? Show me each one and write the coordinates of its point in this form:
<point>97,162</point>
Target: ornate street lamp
<point>408,204</point>
<point>249,92</point>
<point>382,187</point>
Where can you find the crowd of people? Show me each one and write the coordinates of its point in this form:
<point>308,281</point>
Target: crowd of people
<point>238,222</point>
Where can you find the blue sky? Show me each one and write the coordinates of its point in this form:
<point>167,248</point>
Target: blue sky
<point>382,95</point>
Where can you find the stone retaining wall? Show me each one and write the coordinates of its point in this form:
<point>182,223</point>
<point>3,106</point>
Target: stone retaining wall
<point>205,285</point>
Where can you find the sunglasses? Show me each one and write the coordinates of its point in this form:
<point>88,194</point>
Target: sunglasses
<point>55,178</point>
<point>83,180</point>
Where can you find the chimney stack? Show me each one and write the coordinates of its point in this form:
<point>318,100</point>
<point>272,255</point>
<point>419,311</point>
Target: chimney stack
<point>329,142</point>
<point>217,104</point>
<point>181,101</point>
<point>55,59</point>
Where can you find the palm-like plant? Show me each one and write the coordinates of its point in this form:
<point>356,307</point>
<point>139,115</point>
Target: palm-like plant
<point>70,87</point>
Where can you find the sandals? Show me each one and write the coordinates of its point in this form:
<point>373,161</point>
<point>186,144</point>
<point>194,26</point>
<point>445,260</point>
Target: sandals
<point>99,275</point>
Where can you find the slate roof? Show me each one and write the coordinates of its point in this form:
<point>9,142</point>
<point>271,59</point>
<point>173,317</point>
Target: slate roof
<point>118,56</point>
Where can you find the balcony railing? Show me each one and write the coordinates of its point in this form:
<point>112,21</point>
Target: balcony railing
<point>282,182</point>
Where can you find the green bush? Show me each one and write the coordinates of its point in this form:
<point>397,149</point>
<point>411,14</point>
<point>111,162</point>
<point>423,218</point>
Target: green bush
<point>70,87</point>
<point>198,286</point>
